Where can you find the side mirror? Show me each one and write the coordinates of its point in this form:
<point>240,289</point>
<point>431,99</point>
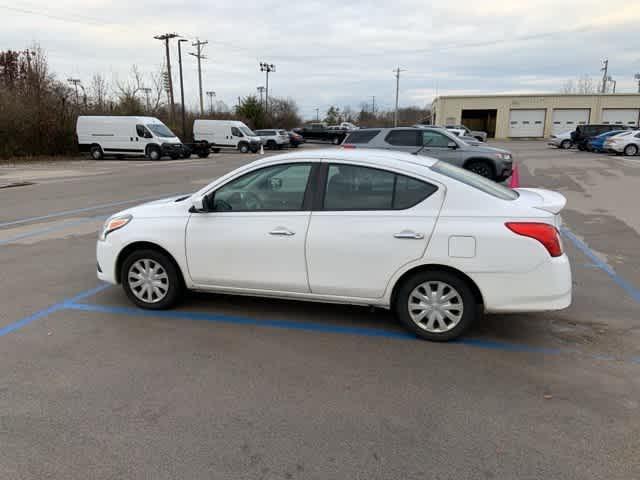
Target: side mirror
<point>197,204</point>
<point>452,145</point>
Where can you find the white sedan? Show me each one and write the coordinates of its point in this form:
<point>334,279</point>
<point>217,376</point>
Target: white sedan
<point>436,244</point>
<point>627,143</point>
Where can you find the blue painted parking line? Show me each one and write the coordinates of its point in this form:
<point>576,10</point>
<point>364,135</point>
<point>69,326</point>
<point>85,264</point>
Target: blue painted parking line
<point>64,213</point>
<point>617,279</point>
<point>53,228</point>
<point>12,327</point>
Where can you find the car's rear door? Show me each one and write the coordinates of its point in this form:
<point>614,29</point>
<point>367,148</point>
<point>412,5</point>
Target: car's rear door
<point>368,223</point>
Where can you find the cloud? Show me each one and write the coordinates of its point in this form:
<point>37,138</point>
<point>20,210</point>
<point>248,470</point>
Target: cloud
<point>334,52</point>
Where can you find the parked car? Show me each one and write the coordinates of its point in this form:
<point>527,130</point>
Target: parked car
<point>596,144</point>
<point>274,139</point>
<point>436,244</point>
<point>461,130</point>
<point>348,126</point>
<point>562,140</point>
<point>102,136</point>
<point>626,142</point>
<point>493,163</point>
<point>226,134</point>
<point>295,139</point>
<point>583,133</point>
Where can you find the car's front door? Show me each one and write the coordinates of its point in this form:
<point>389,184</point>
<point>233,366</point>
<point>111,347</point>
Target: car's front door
<point>437,145</point>
<point>371,223</point>
<point>252,236</point>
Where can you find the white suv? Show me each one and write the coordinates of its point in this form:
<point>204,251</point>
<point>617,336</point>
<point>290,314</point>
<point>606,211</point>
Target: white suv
<point>274,139</point>
<point>626,142</point>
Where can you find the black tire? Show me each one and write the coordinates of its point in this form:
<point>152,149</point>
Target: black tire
<point>175,157</point>
<point>154,153</point>
<point>271,145</point>
<point>255,149</point>
<point>243,147</point>
<point>565,144</point>
<point>482,168</point>
<point>96,152</point>
<point>174,280</point>
<point>581,147</point>
<point>470,309</point>
<point>631,150</point>
<point>215,150</point>
<point>203,154</point>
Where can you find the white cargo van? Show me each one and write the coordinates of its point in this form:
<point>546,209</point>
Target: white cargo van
<point>226,133</point>
<point>131,136</point>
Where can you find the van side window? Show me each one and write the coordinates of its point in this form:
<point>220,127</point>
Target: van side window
<point>236,133</point>
<point>142,132</point>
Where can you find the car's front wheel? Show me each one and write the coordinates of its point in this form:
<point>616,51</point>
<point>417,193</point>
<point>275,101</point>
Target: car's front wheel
<point>151,280</point>
<point>565,144</point>
<point>436,305</point>
<point>631,150</point>
<point>482,168</point>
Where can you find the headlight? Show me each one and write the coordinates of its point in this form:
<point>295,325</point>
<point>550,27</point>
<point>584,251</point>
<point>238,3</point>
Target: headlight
<point>113,224</point>
<point>503,156</point>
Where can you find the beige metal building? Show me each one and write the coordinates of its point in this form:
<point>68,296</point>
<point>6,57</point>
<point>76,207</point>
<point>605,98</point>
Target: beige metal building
<point>535,116</point>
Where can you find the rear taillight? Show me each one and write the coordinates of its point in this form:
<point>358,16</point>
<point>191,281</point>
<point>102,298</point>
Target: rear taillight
<point>546,234</point>
<point>348,145</point>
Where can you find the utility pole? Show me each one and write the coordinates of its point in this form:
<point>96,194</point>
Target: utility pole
<point>184,121</point>
<point>610,79</point>
<point>75,82</point>
<point>317,114</point>
<point>395,114</point>
<point>198,44</point>
<point>261,90</point>
<point>373,105</point>
<point>605,69</point>
<point>147,91</point>
<point>637,77</point>
<point>268,68</point>
<point>211,94</point>
<point>166,37</point>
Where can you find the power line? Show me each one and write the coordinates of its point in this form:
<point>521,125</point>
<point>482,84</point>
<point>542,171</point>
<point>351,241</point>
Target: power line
<point>199,45</point>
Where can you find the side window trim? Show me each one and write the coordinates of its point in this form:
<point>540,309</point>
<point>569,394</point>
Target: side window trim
<point>321,189</point>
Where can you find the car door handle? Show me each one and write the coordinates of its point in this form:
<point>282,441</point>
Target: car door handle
<point>409,234</point>
<point>282,231</point>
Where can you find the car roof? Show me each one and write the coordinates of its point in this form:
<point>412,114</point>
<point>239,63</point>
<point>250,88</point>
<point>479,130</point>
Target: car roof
<point>371,156</point>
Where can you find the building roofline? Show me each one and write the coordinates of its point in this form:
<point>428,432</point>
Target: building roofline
<point>520,95</point>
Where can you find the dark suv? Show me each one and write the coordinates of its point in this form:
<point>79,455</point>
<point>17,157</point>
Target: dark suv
<point>584,133</point>
<point>435,142</point>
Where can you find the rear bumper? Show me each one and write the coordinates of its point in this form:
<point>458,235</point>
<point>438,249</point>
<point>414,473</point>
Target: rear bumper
<point>547,288</point>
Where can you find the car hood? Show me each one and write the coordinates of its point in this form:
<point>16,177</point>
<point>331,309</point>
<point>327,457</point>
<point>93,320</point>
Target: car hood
<point>486,149</point>
<point>170,206</point>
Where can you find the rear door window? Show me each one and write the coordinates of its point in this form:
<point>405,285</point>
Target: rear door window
<point>361,136</point>
<point>404,138</point>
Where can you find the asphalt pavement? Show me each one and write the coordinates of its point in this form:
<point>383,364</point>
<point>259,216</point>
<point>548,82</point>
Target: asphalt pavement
<point>228,387</point>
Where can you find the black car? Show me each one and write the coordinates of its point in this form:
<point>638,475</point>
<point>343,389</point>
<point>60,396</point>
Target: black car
<point>584,133</point>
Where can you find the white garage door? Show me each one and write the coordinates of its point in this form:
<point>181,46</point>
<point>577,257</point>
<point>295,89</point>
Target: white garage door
<point>620,116</point>
<point>566,119</point>
<point>526,123</point>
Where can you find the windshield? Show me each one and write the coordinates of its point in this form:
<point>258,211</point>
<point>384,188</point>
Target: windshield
<point>160,130</point>
<point>475,181</point>
<point>247,131</point>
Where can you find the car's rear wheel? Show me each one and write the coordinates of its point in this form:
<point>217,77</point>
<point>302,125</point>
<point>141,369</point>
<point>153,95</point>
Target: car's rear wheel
<point>151,280</point>
<point>436,305</point>
<point>631,150</point>
<point>565,144</point>
<point>481,168</point>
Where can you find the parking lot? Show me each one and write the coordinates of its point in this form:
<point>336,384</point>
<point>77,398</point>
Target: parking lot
<point>232,387</point>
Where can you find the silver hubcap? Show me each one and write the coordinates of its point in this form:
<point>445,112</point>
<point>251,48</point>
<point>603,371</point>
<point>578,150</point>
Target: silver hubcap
<point>148,281</point>
<point>435,307</point>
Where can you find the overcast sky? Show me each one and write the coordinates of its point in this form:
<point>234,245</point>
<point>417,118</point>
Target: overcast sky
<point>339,51</point>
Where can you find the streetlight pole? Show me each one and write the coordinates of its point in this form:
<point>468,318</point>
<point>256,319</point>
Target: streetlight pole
<point>637,77</point>
<point>261,90</point>
<point>268,68</point>
<point>395,114</point>
<point>75,82</point>
<point>147,91</point>
<point>605,69</point>
<point>184,121</point>
<point>211,94</point>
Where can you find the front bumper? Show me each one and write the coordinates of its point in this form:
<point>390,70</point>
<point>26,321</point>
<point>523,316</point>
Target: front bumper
<point>172,149</point>
<point>106,261</point>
